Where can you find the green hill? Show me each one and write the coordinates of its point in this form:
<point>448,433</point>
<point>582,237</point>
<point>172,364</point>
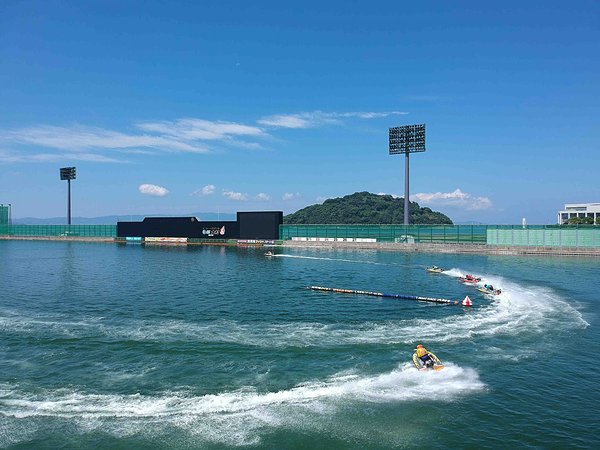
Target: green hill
<point>364,207</point>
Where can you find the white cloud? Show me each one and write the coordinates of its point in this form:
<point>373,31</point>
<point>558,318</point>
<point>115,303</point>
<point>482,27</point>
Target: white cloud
<point>209,189</point>
<point>80,137</point>
<point>290,196</point>
<point>200,129</point>
<point>183,135</point>
<point>154,190</point>
<point>393,195</point>
<point>371,114</point>
<point>481,203</point>
<point>262,197</point>
<point>12,157</point>
<point>456,198</point>
<point>286,121</point>
<point>190,135</point>
<point>245,144</point>
<point>318,118</point>
<point>238,196</point>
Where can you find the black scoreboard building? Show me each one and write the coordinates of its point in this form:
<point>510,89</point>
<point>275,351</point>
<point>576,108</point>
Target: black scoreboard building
<point>249,225</point>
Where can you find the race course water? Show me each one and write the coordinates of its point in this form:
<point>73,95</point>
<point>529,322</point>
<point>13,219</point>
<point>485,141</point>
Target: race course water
<point>129,346</point>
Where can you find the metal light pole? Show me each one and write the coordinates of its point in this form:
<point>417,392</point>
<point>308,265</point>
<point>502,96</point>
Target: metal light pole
<point>406,189</point>
<point>406,140</point>
<point>68,173</point>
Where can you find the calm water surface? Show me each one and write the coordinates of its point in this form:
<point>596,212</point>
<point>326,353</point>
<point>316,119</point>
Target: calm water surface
<point>108,346</point>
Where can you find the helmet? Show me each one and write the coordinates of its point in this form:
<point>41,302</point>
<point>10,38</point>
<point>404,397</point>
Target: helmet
<point>419,346</point>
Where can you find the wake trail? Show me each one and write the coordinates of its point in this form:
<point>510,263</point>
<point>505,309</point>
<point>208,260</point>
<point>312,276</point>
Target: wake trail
<point>518,310</point>
<point>358,261</point>
<point>239,417</point>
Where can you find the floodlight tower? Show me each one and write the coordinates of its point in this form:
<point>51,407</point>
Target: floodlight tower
<point>68,173</point>
<point>406,140</point>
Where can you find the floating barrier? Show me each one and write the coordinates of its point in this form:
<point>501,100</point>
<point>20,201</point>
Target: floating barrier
<point>381,294</point>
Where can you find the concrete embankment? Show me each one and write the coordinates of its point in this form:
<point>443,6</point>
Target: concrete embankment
<point>381,246</point>
<point>449,248</point>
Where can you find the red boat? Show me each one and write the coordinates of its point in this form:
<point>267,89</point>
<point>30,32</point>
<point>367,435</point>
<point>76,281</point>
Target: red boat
<point>470,279</point>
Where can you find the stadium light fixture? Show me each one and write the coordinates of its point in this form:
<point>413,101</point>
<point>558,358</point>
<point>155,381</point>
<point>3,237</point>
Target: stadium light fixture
<point>405,140</point>
<point>68,173</point>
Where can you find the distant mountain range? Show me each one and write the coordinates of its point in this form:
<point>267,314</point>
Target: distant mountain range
<point>112,220</point>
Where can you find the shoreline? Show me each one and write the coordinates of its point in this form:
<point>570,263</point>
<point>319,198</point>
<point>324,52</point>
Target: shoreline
<point>381,246</point>
<point>452,248</point>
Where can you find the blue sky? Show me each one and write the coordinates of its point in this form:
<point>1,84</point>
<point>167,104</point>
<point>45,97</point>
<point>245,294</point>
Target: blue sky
<point>174,107</point>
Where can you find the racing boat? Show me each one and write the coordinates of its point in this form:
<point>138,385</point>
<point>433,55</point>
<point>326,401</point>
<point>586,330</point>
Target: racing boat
<point>470,279</point>
<point>435,269</point>
<point>269,254</point>
<point>489,289</point>
<point>434,363</point>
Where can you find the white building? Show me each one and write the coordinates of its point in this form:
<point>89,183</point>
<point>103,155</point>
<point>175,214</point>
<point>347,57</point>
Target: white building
<point>579,210</point>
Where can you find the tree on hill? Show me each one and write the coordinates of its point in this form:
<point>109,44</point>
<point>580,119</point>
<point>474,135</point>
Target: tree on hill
<point>365,208</point>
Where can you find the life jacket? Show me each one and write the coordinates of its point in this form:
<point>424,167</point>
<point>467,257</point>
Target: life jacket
<point>421,352</point>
